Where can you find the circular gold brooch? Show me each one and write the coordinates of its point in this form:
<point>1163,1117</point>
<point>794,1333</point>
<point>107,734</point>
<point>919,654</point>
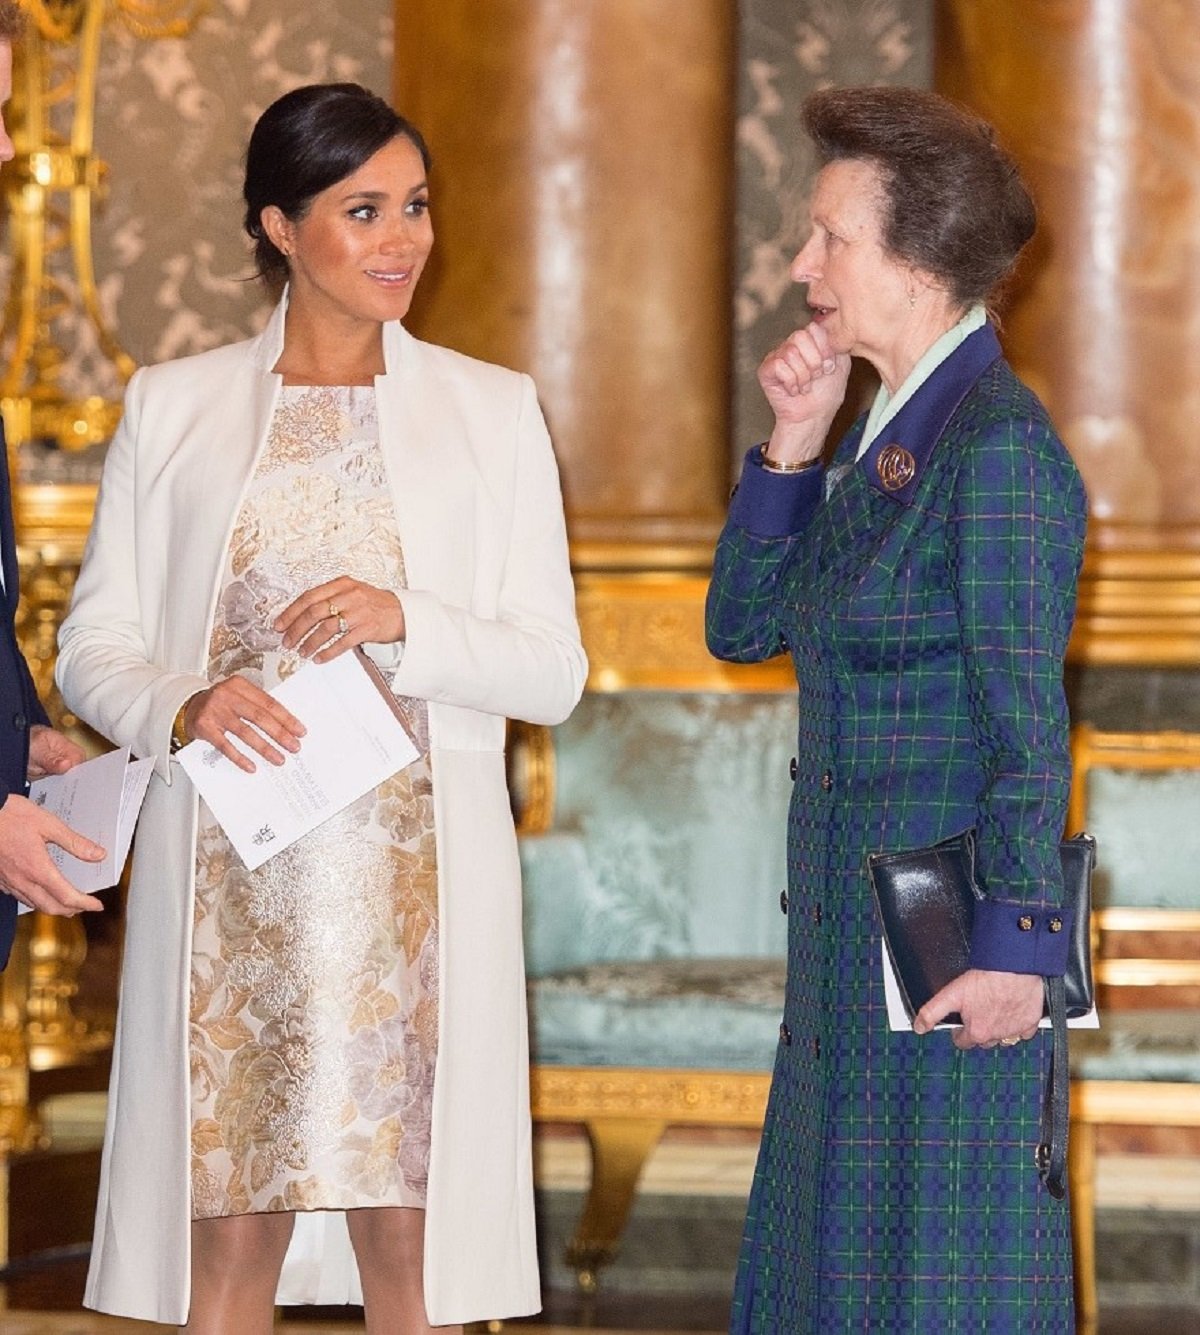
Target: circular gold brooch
<point>897,468</point>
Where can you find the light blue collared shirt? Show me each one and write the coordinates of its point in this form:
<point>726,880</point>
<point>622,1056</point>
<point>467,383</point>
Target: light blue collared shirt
<point>886,405</point>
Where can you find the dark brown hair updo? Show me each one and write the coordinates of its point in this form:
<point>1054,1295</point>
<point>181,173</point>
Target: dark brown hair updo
<point>955,205</point>
<point>306,141</point>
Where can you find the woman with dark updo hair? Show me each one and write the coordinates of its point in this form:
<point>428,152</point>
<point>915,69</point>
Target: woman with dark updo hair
<point>320,1081</point>
<point>923,582</point>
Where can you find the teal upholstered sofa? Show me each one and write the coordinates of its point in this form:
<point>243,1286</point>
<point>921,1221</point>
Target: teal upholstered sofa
<point>655,941</point>
<point>1139,794</point>
<point>654,934</point>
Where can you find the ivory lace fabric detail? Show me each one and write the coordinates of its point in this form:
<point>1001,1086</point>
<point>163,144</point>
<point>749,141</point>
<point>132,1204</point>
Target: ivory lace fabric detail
<point>313,1025</point>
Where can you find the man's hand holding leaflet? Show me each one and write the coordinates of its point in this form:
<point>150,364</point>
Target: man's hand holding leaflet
<point>99,799</point>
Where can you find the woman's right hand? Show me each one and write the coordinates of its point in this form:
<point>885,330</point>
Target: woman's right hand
<point>804,380</point>
<point>235,706</point>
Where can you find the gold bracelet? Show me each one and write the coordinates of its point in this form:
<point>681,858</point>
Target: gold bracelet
<point>179,737</point>
<point>785,466</point>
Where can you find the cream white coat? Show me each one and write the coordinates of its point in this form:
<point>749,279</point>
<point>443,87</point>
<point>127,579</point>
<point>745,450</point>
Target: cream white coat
<point>491,633</point>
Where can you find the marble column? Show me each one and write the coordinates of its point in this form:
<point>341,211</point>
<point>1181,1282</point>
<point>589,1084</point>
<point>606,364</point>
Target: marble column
<point>1100,102</point>
<point>582,201</point>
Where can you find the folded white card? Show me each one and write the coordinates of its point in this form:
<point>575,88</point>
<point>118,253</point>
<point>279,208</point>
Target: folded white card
<point>354,739</point>
<point>99,799</point>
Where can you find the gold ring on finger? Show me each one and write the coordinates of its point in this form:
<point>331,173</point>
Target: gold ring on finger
<point>343,625</point>
<point>1009,1042</point>
<point>333,609</point>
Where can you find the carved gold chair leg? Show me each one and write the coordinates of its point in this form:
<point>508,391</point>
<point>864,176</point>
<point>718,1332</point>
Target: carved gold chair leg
<point>1081,1176</point>
<point>620,1147</point>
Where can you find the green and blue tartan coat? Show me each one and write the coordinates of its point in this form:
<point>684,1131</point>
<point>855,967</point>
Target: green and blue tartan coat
<point>895,1188</point>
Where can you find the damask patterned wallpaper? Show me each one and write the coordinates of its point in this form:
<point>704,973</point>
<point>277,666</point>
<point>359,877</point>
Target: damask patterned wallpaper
<point>791,48</point>
<point>173,117</point>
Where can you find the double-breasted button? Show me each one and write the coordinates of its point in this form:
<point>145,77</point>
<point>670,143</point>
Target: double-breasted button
<point>827,781</point>
<point>19,720</point>
<point>816,1048</point>
<point>817,915</point>
<point>783,901</point>
<point>785,1036</point>
<point>793,769</point>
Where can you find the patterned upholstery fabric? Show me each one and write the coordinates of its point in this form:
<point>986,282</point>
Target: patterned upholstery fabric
<point>652,909</point>
<point>650,1013</point>
<point>1139,1045</point>
<point>1148,837</point>
<point>1148,849</point>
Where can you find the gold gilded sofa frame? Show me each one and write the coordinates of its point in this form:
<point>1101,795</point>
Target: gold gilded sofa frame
<point>1150,1103</point>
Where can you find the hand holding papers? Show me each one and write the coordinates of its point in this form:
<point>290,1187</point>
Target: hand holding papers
<point>99,799</point>
<point>354,740</point>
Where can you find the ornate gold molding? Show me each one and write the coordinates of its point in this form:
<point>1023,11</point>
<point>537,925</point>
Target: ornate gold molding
<point>645,631</point>
<point>52,527</point>
<point>678,1097</point>
<point>51,187</point>
<point>643,627</point>
<point>531,776</point>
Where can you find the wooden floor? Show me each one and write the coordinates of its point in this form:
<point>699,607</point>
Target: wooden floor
<point>34,1323</point>
<point>45,1301</point>
<point>66,1323</point>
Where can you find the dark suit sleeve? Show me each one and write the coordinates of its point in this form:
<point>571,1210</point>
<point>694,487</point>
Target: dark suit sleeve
<point>767,512</point>
<point>20,708</point>
<point>19,702</point>
<point>1016,543</point>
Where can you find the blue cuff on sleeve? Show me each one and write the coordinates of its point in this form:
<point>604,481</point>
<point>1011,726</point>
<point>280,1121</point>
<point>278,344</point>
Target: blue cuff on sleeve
<point>774,505</point>
<point>1019,938</point>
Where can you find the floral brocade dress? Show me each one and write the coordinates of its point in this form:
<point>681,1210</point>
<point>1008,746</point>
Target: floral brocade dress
<point>313,1026</point>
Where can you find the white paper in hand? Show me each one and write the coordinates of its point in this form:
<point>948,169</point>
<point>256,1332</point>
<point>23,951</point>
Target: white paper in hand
<point>99,799</point>
<point>354,740</point>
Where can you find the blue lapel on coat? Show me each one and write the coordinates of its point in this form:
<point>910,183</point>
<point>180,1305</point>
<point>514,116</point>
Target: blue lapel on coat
<point>918,426</point>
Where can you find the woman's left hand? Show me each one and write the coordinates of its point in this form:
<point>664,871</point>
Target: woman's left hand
<point>334,617</point>
<point>996,1008</point>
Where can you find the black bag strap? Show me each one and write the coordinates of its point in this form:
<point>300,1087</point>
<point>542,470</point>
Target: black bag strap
<point>1056,1102</point>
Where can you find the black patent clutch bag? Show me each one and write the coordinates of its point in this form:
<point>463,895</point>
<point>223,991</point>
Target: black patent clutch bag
<point>926,901</point>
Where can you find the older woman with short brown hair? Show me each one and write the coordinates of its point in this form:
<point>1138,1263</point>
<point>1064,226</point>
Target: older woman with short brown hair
<point>924,584</point>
